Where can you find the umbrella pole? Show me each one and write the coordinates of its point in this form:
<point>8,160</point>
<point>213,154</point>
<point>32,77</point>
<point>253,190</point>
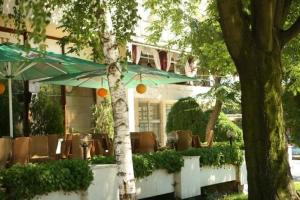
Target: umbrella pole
<point>10,102</point>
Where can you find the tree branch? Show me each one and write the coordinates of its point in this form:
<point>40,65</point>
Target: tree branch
<point>281,12</point>
<point>290,33</point>
<point>263,16</point>
<point>234,25</point>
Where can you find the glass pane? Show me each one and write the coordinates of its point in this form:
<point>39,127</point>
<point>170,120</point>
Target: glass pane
<point>144,127</point>
<point>143,112</point>
<point>154,111</point>
<point>155,127</point>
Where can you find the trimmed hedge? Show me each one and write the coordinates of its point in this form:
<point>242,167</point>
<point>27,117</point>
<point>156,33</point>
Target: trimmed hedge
<point>172,161</point>
<point>218,155</point>
<point>27,181</point>
<point>145,164</point>
<point>186,114</point>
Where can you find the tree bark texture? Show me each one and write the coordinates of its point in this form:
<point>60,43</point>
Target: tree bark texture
<point>256,52</point>
<point>214,115</point>
<point>117,89</point>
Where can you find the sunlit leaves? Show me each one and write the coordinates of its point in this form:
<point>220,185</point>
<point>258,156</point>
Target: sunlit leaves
<point>81,20</point>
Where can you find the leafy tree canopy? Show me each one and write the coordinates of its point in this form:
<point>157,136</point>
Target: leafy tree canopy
<point>82,21</point>
<point>197,32</point>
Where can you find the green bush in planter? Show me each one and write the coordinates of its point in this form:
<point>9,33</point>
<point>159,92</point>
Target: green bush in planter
<point>186,114</point>
<point>225,126</point>
<point>145,164</point>
<point>27,181</point>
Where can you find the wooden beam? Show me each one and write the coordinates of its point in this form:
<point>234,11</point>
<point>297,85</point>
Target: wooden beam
<point>11,30</point>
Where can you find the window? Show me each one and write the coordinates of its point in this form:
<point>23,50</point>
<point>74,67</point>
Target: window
<point>149,117</point>
<point>147,60</point>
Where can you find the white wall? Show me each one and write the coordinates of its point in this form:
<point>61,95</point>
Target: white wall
<point>158,183</point>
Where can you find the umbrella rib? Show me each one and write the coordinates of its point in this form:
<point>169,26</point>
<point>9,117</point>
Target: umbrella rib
<point>25,68</point>
<point>2,74</point>
<point>84,81</point>
<point>53,66</point>
<point>131,79</point>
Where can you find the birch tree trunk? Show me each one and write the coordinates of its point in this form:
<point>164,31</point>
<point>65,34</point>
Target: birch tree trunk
<point>117,89</point>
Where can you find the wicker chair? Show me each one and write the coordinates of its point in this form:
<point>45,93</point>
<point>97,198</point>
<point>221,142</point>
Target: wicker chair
<point>38,148</point>
<point>52,145</point>
<point>184,141</point>
<point>143,142</point>
<point>21,150</point>
<point>5,151</point>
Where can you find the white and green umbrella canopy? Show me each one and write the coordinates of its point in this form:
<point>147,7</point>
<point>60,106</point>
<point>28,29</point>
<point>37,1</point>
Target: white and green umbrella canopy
<point>20,63</point>
<point>132,76</point>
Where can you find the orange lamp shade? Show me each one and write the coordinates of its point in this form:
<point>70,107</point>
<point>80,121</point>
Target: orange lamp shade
<point>141,88</point>
<point>102,92</point>
<point>2,88</point>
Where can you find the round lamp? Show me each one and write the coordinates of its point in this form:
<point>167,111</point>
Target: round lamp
<point>141,88</point>
<point>2,88</point>
<point>102,92</point>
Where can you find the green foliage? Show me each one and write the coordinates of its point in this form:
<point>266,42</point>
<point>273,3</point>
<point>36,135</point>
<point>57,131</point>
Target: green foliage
<point>4,108</point>
<point>195,29</point>
<point>291,108</point>
<point>217,196</point>
<point>224,127</point>
<point>27,181</point>
<point>172,161</point>
<point>186,114</point>
<point>102,118</point>
<point>145,164</point>
<point>47,115</point>
<point>83,21</point>
<point>217,155</point>
<point>297,186</point>
<point>103,160</point>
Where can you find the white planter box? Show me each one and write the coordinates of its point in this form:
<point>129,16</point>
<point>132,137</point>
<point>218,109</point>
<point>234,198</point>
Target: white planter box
<point>215,175</point>
<point>186,183</point>
<point>187,180</point>
<point>158,183</point>
<point>103,187</point>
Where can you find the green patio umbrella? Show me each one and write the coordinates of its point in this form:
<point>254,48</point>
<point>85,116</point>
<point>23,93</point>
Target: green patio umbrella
<point>20,63</point>
<point>133,75</point>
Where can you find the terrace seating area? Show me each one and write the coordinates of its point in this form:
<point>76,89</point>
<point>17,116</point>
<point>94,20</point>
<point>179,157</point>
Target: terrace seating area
<point>42,148</point>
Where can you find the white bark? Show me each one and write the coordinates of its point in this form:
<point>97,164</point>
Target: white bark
<point>117,89</point>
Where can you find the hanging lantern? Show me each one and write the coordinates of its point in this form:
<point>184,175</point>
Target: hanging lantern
<point>141,88</point>
<point>102,92</point>
<point>2,88</point>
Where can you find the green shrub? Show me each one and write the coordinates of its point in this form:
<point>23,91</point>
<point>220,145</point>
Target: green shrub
<point>224,126</point>
<point>145,164</point>
<point>47,115</point>
<point>102,118</point>
<point>186,114</point>
<point>27,181</point>
<point>217,155</point>
<point>103,160</point>
<point>172,161</point>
